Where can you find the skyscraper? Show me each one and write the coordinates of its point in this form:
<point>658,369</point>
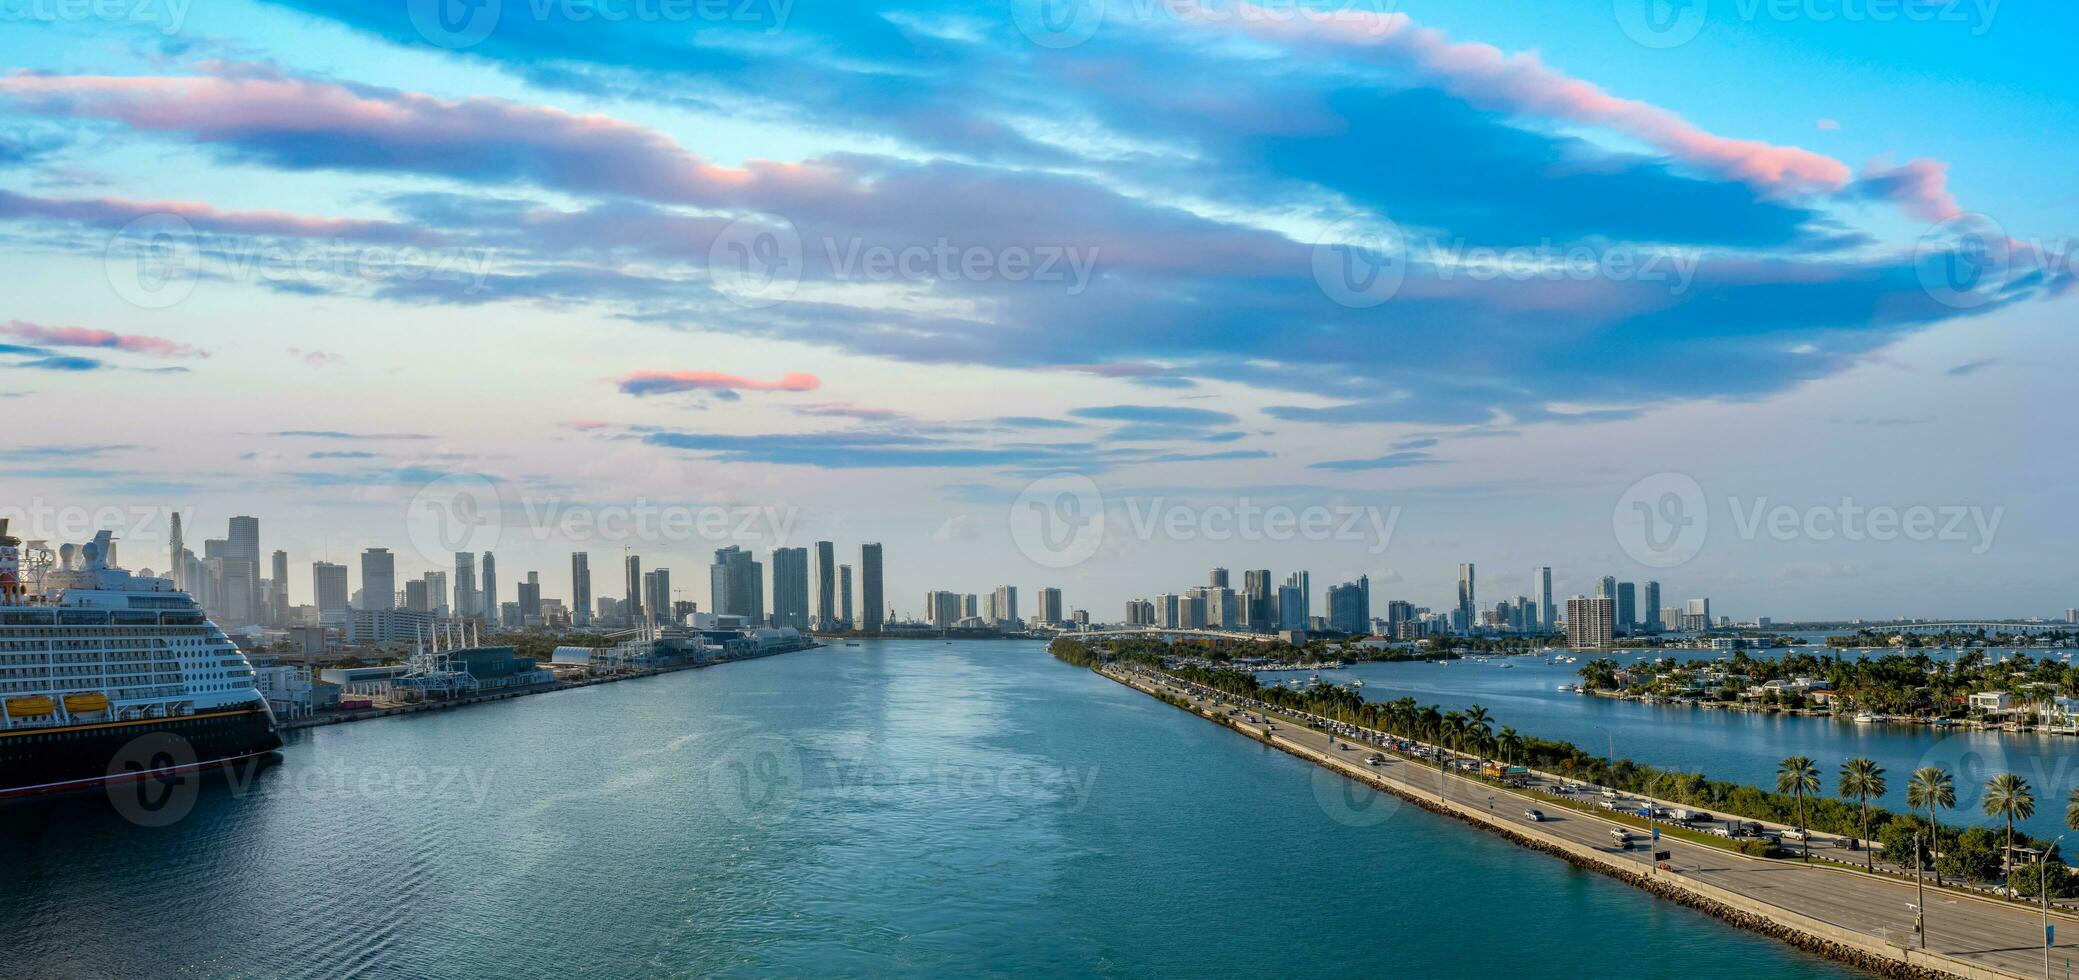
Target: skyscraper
<point>1589,622</point>
<point>657,597</point>
<point>1257,599</point>
<point>244,540</point>
<point>1654,622</point>
<point>1292,606</point>
<point>1606,587</point>
<point>1049,606</point>
<point>1217,578</point>
<point>1541,595</point>
<point>736,583</point>
<point>1627,608</point>
<point>329,583</point>
<point>1468,613</point>
<point>1005,604</point>
<point>176,557</point>
<point>790,588</point>
<point>631,607</point>
<point>871,606</point>
<point>465,585</point>
<point>1349,606</point>
<point>826,585</point>
<point>488,605</point>
<point>378,579</point>
<point>580,588</point>
<point>844,596</point>
<point>280,575</point>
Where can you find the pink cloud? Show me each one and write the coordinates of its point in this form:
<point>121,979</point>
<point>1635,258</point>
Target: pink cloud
<point>587,425</point>
<point>366,127</point>
<point>1520,83</point>
<point>1829,125</point>
<point>1920,187</point>
<point>643,383</point>
<point>109,212</point>
<point>100,339</point>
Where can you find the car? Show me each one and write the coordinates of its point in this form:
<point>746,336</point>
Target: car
<point>1375,759</point>
<point>1534,815</point>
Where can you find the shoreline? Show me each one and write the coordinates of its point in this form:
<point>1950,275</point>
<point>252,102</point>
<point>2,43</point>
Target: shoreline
<point>421,707</point>
<point>1861,949</point>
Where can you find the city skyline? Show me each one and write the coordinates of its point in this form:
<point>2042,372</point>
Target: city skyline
<point>1768,306</point>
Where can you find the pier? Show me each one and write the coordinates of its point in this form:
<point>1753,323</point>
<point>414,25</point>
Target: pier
<point>1861,919</point>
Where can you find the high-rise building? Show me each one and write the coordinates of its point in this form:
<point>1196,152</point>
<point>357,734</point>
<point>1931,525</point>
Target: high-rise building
<point>1651,602</point>
<point>1049,611</point>
<point>176,553</point>
<point>467,598</point>
<point>1168,610</point>
<point>488,604</point>
<point>631,605</point>
<point>1191,609</point>
<point>1696,615</point>
<point>329,583</point>
<point>378,579</point>
<point>244,540</point>
<point>826,585</point>
<point>871,605</point>
<point>1217,578</point>
<point>1292,605</point>
<point>1627,608</point>
<point>530,597</point>
<point>656,603</point>
<point>844,596</point>
<point>1590,623</point>
<point>580,588</point>
<point>417,597</point>
<point>1541,596</point>
<point>970,607</point>
<point>1468,617</point>
<point>1257,597</point>
<point>942,609</point>
<point>437,593</point>
<point>1349,606</point>
<point>790,588</point>
<point>736,584</point>
<point>1606,587</point>
<point>280,575</point>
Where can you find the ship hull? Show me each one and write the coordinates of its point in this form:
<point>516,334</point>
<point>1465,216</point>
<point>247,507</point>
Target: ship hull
<point>82,757</point>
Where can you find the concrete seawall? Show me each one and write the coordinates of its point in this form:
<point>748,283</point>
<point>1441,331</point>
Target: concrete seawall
<point>1862,950</point>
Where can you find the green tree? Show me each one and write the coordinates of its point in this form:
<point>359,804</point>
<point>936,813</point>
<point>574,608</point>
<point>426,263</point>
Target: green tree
<point>1860,780</point>
<point>1798,777</point>
<point>2008,796</point>
<point>1932,788</point>
<point>2072,810</point>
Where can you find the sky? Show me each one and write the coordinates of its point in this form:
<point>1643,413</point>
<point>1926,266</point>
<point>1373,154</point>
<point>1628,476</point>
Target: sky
<point>1765,301</point>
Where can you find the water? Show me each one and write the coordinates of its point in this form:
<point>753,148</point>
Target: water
<point>902,807</point>
<point>1732,745</point>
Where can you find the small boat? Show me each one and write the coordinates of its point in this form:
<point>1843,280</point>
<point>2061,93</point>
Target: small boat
<point>1865,718</point>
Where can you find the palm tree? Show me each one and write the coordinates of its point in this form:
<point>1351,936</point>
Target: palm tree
<point>2008,796</point>
<point>2072,810</point>
<point>1512,748</point>
<point>1862,779</point>
<point>1798,776</point>
<point>1932,788</point>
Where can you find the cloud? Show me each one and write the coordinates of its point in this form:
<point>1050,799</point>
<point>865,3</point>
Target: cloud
<point>1920,187</point>
<point>645,383</point>
<point>1971,367</point>
<point>317,358</point>
<point>345,454</point>
<point>336,434</point>
<point>108,212</point>
<point>1390,461</point>
<point>101,339</point>
<point>58,363</point>
<point>1159,414</point>
<point>1034,422</point>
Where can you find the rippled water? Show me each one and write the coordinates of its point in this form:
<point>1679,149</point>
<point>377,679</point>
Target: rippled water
<point>1735,745</point>
<point>902,807</point>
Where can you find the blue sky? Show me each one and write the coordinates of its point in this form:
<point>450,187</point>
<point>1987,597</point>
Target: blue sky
<point>1482,267</point>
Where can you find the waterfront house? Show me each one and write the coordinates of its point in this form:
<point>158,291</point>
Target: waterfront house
<point>1991,701</point>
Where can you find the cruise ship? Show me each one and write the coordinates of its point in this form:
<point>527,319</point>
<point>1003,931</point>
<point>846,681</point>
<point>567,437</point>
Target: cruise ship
<point>108,676</point>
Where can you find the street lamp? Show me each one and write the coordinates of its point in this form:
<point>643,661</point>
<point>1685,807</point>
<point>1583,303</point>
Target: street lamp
<point>1919,883</point>
<point>2043,887</point>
